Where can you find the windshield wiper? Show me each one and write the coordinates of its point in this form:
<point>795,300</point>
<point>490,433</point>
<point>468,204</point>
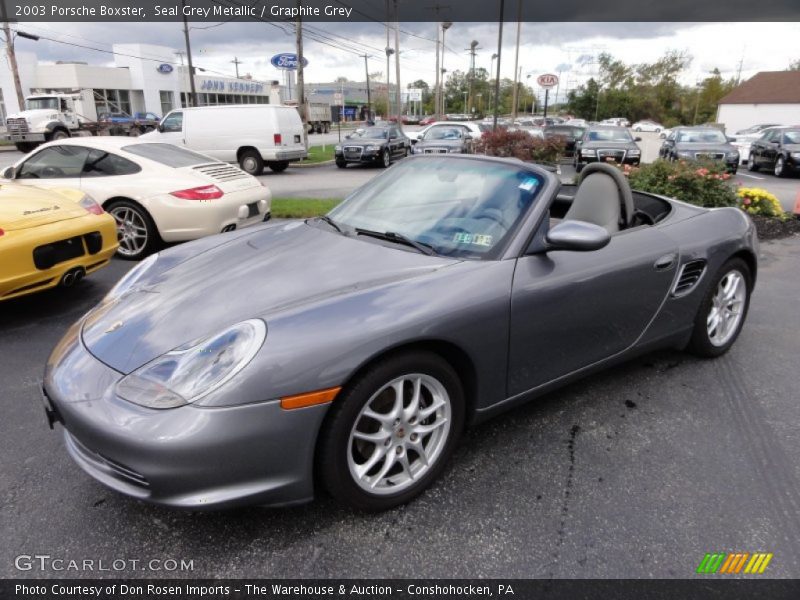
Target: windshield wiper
<point>399,238</point>
<point>331,222</point>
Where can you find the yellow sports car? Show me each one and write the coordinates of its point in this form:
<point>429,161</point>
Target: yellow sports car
<point>50,237</point>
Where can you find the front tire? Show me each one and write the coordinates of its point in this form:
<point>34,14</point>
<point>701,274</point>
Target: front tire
<point>341,163</point>
<point>251,162</point>
<point>723,310</point>
<point>137,233</point>
<point>780,167</point>
<point>278,167</point>
<point>386,158</point>
<point>26,147</point>
<point>752,166</point>
<point>58,134</point>
<point>391,431</point>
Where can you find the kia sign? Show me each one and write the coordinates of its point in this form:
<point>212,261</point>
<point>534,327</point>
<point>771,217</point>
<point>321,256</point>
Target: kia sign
<point>547,81</point>
<point>164,68</point>
<point>287,61</point>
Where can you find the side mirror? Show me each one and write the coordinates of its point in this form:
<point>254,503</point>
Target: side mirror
<point>577,235</point>
<point>10,173</point>
<point>347,137</point>
<point>413,140</point>
<point>731,139</point>
<point>637,139</point>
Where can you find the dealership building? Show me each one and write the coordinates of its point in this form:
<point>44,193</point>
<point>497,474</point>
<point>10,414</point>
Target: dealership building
<point>144,78</point>
<point>767,97</point>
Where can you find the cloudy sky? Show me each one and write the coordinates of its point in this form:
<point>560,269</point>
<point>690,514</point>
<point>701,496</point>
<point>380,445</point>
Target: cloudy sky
<point>333,49</point>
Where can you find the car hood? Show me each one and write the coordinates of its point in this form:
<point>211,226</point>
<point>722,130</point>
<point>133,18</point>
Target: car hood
<point>439,143</point>
<point>23,206</point>
<point>35,114</point>
<point>363,142</point>
<point>200,289</point>
<point>703,147</point>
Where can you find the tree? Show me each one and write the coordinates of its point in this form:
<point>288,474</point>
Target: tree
<point>795,66</point>
<point>376,76</point>
<point>342,79</point>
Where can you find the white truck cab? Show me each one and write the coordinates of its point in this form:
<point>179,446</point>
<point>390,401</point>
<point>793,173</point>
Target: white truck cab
<point>48,117</point>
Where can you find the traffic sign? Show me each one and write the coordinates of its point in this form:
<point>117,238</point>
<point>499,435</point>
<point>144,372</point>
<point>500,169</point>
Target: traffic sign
<point>547,81</point>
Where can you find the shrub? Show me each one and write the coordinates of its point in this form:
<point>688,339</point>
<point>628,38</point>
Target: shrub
<point>756,201</point>
<point>521,145</point>
<point>703,184</point>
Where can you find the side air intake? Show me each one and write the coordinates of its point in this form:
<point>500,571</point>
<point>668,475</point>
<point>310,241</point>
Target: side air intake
<point>689,276</point>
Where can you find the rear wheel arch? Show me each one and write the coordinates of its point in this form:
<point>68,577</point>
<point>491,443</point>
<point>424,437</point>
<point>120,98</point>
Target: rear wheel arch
<point>106,203</point>
<point>244,149</point>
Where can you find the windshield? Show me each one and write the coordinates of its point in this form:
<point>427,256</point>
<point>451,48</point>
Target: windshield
<point>791,137</point>
<point>702,136</point>
<point>41,103</point>
<point>609,135</point>
<point>374,134</point>
<point>169,155</point>
<point>461,208</point>
<point>444,133</point>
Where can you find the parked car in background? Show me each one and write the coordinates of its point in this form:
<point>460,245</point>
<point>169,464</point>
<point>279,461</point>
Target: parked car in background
<point>607,144</point>
<point>374,145</point>
<point>570,134</point>
<point>700,143</point>
<point>444,139</point>
<point>742,139</point>
<point>616,122</point>
<point>119,123</point>
<point>156,192</point>
<point>665,133</point>
<point>778,149</point>
<point>348,353</point>
<point>250,135</point>
<point>536,131</point>
<point>476,128</point>
<point>646,125</point>
<point>429,120</point>
<point>50,237</point>
<point>576,122</point>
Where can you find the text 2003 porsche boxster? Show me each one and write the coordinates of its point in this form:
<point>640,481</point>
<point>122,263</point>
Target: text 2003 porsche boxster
<point>352,350</point>
<point>50,237</point>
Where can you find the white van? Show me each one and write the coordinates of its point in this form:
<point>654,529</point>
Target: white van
<point>252,135</point>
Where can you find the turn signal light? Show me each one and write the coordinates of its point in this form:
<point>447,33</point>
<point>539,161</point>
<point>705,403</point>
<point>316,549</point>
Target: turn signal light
<point>206,192</point>
<point>309,399</point>
<point>277,139</point>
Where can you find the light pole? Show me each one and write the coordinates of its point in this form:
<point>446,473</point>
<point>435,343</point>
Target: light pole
<point>445,26</point>
<point>499,54</point>
<point>466,111</point>
<point>389,52</point>
<point>491,74</point>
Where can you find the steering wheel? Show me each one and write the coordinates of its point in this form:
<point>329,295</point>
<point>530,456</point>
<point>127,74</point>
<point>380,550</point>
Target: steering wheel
<point>643,217</point>
<point>49,172</point>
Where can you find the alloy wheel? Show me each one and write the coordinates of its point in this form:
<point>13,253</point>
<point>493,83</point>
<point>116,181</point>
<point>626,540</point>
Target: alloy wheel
<point>727,308</point>
<point>131,230</point>
<point>399,434</point>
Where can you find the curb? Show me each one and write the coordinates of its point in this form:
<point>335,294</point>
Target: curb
<point>324,163</point>
<point>8,149</point>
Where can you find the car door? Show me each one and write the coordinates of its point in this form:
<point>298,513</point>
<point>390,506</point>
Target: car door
<point>572,309</point>
<point>395,143</point>
<point>770,150</point>
<point>53,166</point>
<point>757,145</point>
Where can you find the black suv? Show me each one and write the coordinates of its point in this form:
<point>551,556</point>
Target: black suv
<point>778,149</point>
<point>375,145</point>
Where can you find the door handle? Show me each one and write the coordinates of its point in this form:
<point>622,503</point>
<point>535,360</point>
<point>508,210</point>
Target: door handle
<point>665,262</point>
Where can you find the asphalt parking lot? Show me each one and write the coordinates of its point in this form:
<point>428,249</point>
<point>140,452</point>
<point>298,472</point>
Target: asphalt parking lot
<point>637,472</point>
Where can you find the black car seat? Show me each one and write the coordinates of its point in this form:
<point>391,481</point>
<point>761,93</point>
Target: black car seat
<point>603,197</point>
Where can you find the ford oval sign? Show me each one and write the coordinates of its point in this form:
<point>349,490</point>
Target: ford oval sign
<point>164,68</point>
<point>287,60</point>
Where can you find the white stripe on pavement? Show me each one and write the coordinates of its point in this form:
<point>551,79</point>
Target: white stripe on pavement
<point>750,176</point>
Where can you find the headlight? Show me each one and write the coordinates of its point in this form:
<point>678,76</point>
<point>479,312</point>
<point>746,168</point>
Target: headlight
<point>684,154</point>
<point>634,152</point>
<point>372,148</point>
<point>733,155</point>
<point>796,155</point>
<point>124,284</point>
<point>337,148</point>
<point>194,370</point>
<point>588,152</point>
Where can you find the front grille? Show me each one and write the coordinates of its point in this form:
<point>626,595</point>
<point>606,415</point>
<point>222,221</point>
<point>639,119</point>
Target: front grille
<point>689,276</point>
<point>49,255</point>
<point>610,154</point>
<point>111,467</point>
<point>709,155</point>
<point>353,151</point>
<point>16,126</point>
<point>221,171</point>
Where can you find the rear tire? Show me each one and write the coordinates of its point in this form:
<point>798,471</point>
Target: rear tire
<point>137,233</point>
<point>402,437</point>
<point>278,167</point>
<point>722,311</point>
<point>250,162</point>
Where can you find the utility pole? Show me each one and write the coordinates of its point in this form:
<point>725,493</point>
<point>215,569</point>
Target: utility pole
<point>369,98</point>
<point>389,53</point>
<point>398,96</point>
<point>491,74</point>
<point>301,84</point>
<point>499,53</point>
<point>12,61</point>
<point>472,48</point>
<point>236,62</point>
<point>445,26</point>
<point>517,76</point>
<point>193,94</point>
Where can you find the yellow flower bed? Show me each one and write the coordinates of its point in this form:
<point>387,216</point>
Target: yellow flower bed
<point>756,201</point>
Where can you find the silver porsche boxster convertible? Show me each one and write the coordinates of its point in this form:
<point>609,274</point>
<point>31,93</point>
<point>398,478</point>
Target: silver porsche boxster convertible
<point>349,352</point>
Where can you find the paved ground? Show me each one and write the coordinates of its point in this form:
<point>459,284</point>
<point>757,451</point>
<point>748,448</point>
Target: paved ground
<point>637,472</point>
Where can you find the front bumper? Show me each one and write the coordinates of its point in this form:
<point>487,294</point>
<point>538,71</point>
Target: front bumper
<point>25,137</point>
<point>370,157</point>
<point>188,457</point>
<point>626,160</point>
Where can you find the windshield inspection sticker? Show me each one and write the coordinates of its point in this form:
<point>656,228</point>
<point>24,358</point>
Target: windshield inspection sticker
<point>470,238</point>
<point>529,184</point>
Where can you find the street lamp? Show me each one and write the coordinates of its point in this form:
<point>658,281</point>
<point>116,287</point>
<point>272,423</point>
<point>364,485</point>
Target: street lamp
<point>389,52</point>
<point>491,75</point>
<point>445,26</point>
